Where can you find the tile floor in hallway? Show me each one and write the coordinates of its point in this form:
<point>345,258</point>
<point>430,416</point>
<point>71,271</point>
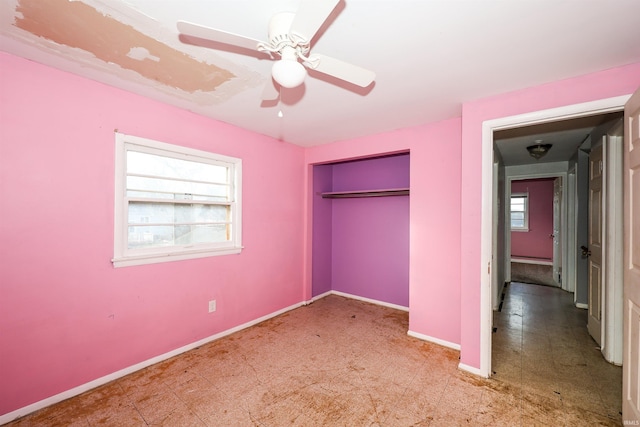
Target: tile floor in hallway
<point>342,362</point>
<point>541,347</point>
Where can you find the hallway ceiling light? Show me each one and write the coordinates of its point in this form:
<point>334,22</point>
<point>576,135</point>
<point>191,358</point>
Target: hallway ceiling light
<point>538,150</point>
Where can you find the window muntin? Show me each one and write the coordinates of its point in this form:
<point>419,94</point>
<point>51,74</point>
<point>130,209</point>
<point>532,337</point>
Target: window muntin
<point>174,203</point>
<point>519,212</point>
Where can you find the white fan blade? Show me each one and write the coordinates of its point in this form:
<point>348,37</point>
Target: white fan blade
<point>219,36</point>
<point>310,17</point>
<point>270,92</point>
<point>342,70</point>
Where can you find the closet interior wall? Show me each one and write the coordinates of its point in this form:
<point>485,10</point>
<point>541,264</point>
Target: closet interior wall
<point>361,244</point>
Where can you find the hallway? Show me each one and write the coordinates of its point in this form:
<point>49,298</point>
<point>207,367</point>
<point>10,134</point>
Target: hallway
<point>542,350</point>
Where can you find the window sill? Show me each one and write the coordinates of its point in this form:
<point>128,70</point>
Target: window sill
<point>169,257</point>
<point>522,230</point>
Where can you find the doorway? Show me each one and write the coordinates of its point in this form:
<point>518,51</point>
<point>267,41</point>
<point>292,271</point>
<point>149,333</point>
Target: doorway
<point>591,148</point>
<point>514,125</point>
<point>487,219</point>
<point>536,217</point>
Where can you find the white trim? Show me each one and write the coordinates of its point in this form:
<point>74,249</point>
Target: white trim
<point>123,256</point>
<point>522,195</point>
<point>157,258</point>
<point>10,416</point>
<point>582,305</point>
<point>545,170</point>
<point>569,281</point>
<point>438,341</point>
<point>472,370</point>
<point>369,300</point>
<point>317,297</point>
<point>496,277</point>
<point>486,209</point>
<point>486,256</point>
<point>613,240</point>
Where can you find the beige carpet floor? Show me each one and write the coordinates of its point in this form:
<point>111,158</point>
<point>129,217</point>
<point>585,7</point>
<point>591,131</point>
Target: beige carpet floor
<point>342,362</point>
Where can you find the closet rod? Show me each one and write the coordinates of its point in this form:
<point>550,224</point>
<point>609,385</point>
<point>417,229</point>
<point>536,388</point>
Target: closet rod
<point>366,193</point>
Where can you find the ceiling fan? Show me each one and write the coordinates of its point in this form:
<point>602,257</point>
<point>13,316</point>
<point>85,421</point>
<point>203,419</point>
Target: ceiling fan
<point>289,38</point>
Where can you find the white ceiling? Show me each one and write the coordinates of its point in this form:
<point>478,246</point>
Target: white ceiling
<point>429,56</point>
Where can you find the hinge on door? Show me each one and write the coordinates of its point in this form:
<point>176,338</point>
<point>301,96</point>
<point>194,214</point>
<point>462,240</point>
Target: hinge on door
<point>489,267</point>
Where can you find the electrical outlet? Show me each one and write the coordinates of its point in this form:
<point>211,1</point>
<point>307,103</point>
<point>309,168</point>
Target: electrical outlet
<point>212,306</point>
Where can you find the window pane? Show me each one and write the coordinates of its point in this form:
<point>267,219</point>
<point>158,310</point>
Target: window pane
<point>167,213</point>
<point>155,236</point>
<point>517,223</point>
<point>149,164</point>
<point>517,220</point>
<point>518,211</point>
<point>169,189</point>
<point>517,204</point>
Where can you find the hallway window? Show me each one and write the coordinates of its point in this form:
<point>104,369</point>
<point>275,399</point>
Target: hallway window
<point>520,212</point>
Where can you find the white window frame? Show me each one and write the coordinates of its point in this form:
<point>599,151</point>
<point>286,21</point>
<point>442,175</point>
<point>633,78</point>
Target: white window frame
<point>525,227</point>
<point>123,256</point>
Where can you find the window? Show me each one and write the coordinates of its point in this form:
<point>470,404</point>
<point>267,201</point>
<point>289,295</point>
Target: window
<point>520,212</point>
<point>174,203</point>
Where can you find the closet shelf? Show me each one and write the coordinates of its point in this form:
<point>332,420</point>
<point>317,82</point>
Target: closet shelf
<point>366,193</point>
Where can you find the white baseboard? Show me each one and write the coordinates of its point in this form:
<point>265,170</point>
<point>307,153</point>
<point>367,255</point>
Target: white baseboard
<point>10,416</point>
<point>451,345</point>
<point>317,297</point>
<point>582,305</point>
<point>471,370</point>
<point>369,300</point>
<point>438,341</point>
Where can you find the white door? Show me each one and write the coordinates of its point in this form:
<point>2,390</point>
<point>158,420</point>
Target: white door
<point>631,359</point>
<point>557,231</point>
<point>594,250</point>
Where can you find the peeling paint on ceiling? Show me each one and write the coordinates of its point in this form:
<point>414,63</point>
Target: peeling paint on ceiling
<point>78,25</point>
<point>452,55</point>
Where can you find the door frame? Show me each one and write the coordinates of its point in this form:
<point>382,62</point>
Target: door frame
<point>564,247</point>
<point>571,232</point>
<point>597,220</point>
<point>601,106</point>
<point>613,239</point>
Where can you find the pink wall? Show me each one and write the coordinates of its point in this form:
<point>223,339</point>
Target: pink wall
<point>60,296</point>
<point>66,315</point>
<point>601,85</point>
<point>536,242</point>
<point>434,218</point>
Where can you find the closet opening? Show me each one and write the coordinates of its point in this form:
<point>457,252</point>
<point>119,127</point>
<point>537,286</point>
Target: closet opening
<point>361,229</point>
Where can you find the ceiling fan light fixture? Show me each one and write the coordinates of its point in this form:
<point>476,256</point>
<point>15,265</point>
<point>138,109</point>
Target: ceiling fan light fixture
<point>538,151</point>
<point>288,73</point>
<point>289,37</point>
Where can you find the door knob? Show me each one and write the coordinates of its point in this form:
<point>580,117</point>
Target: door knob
<point>585,252</point>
